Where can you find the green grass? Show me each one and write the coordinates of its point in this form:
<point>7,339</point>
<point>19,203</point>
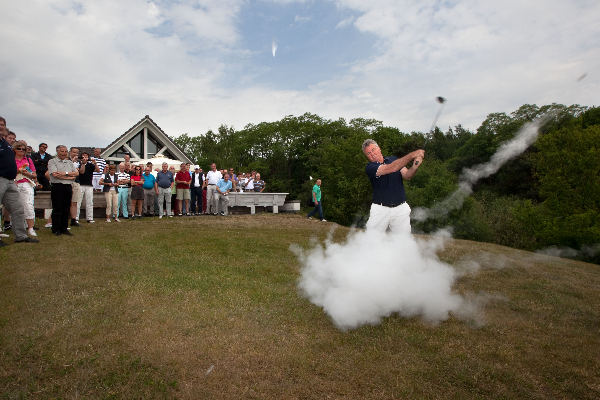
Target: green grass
<point>208,307</point>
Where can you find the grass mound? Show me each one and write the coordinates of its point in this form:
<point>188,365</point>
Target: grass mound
<point>208,307</point>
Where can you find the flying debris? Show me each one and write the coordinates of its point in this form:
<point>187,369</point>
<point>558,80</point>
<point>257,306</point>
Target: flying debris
<point>582,77</point>
<point>274,47</point>
<point>440,99</point>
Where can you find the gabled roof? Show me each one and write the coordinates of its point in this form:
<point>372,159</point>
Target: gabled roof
<point>156,130</point>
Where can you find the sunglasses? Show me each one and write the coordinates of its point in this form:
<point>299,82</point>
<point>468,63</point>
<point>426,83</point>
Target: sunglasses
<point>19,148</point>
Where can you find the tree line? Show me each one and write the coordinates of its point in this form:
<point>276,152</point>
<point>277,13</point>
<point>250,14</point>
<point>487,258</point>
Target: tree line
<point>547,196</point>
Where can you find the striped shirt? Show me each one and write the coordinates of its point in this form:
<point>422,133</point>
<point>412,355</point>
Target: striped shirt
<point>101,162</point>
<point>124,176</point>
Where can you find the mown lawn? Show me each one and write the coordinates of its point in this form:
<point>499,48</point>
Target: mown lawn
<point>208,307</point>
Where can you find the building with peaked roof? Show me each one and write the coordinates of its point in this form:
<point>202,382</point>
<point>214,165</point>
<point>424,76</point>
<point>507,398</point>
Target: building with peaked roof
<point>142,141</point>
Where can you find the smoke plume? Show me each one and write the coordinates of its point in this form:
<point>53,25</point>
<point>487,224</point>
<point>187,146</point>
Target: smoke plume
<point>373,275</point>
<point>470,176</point>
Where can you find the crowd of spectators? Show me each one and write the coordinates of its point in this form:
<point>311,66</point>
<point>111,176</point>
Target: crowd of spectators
<point>130,190</point>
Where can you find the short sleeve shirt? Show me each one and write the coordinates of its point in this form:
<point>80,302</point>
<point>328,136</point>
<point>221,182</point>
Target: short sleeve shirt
<point>224,185</point>
<point>183,176</point>
<point>85,179</point>
<point>148,181</point>
<point>164,179</point>
<point>387,189</point>
<point>317,191</point>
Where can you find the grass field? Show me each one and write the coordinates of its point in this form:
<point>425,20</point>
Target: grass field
<point>208,307</point>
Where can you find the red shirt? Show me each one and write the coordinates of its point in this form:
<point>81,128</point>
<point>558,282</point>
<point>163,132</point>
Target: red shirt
<point>137,178</point>
<point>183,176</point>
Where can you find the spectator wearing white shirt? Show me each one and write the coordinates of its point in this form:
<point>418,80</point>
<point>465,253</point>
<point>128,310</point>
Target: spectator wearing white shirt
<point>249,187</point>
<point>212,178</point>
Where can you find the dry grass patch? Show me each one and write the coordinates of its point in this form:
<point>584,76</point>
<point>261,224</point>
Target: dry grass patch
<point>208,307</point>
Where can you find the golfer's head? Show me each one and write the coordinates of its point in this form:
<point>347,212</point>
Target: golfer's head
<point>372,150</point>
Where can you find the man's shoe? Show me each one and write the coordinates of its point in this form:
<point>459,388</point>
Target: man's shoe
<point>27,240</point>
<point>56,233</point>
<point>67,233</point>
<point>117,219</point>
<point>7,227</point>
<point>170,216</point>
<point>222,213</point>
<point>48,225</point>
<point>108,220</point>
<point>90,221</point>
<point>323,220</point>
<point>31,232</point>
<point>74,222</point>
<point>160,217</point>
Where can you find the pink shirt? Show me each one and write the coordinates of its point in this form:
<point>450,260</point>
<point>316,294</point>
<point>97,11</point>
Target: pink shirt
<point>20,163</point>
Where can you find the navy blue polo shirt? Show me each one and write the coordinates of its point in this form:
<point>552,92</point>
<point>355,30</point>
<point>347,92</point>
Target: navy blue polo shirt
<point>8,166</point>
<point>387,189</point>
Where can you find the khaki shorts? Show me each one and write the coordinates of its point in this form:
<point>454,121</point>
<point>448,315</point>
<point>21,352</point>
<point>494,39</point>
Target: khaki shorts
<point>183,194</point>
<point>76,191</point>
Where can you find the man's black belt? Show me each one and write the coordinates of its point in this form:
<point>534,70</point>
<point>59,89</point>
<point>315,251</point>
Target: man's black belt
<point>390,204</point>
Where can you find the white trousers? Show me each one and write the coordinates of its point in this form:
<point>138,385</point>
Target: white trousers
<point>26,195</point>
<point>212,198</point>
<point>397,219</point>
<point>88,191</point>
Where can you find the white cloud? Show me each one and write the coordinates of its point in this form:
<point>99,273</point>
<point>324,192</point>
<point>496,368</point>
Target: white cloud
<point>83,74</point>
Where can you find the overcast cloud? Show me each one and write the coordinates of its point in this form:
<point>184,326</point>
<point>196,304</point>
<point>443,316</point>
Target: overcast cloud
<point>83,72</point>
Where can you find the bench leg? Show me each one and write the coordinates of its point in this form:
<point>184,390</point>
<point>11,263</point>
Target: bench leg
<point>252,210</point>
<point>275,209</point>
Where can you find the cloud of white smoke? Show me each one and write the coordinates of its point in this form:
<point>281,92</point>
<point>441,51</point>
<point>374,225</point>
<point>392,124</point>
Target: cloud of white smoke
<point>509,150</point>
<point>373,275</point>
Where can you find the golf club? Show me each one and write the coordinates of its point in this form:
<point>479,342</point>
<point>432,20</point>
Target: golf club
<point>440,100</point>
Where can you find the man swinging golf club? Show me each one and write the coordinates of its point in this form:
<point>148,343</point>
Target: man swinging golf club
<point>389,208</point>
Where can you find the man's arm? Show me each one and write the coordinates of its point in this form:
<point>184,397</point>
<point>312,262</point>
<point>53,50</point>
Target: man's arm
<point>400,163</point>
<point>408,173</point>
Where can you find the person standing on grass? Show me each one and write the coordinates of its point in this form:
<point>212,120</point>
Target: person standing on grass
<point>101,163</point>
<point>150,191</point>
<point>182,180</point>
<point>87,168</point>
<point>137,192</point>
<point>223,188</point>
<point>212,178</point>
<point>316,197</point>
<point>62,173</point>
<point>196,191</point>
<point>124,181</point>
<point>389,209</point>
<point>26,177</point>
<point>164,181</point>
<point>74,156</point>
<point>110,187</point>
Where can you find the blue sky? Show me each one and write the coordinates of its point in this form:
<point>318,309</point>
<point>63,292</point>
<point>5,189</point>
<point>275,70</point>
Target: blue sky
<point>81,72</point>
